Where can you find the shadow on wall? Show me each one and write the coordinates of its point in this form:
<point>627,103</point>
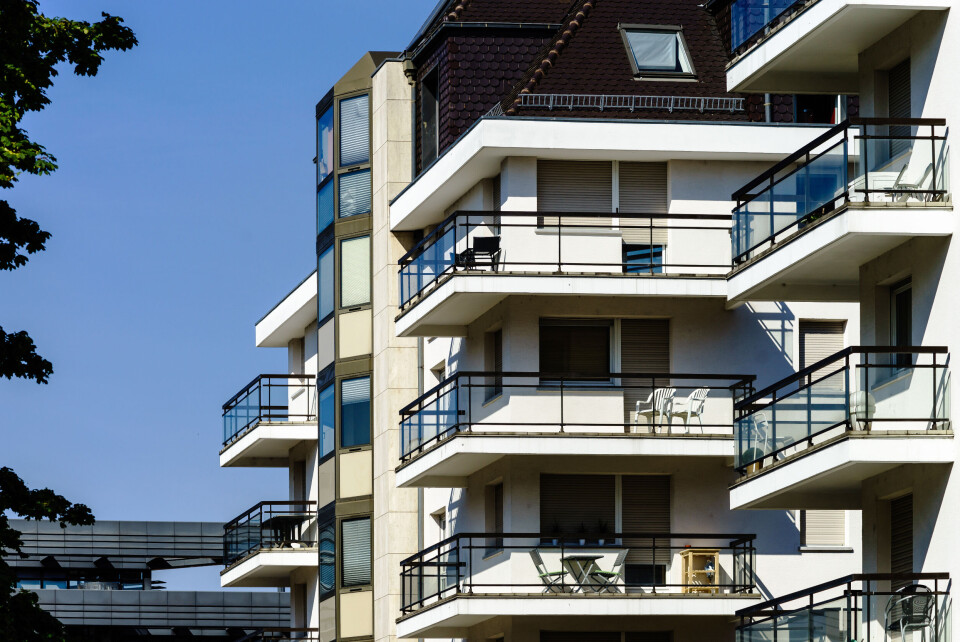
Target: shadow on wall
<point>776,324</point>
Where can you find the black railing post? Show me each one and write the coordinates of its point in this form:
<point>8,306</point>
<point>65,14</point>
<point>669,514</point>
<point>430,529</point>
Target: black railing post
<point>846,165</point>
<point>559,244</point>
<point>847,391</point>
<point>865,155</point>
<point>653,562</point>
<point>933,385</point>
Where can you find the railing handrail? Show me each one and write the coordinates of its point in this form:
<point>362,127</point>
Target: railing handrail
<point>743,195</point>
<point>412,407</point>
<point>256,380</point>
<point>736,539</point>
<point>442,227</point>
<point>841,581</point>
<point>260,505</point>
<point>819,365</point>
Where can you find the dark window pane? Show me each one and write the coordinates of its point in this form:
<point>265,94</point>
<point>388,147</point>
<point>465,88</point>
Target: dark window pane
<point>355,412</point>
<point>576,350</point>
<point>326,415</point>
<point>325,282</point>
<point>325,206</point>
<point>639,259</point>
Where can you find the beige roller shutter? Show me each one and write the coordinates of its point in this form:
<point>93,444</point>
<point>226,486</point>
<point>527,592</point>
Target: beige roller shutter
<point>643,190</point>
<point>570,504</point>
<point>823,527</point>
<point>575,186</point>
<point>820,340</point>
<point>644,347</point>
<point>646,509</point>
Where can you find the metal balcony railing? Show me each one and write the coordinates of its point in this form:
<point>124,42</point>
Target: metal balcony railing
<point>748,18</point>
<point>292,634</point>
<point>864,607</point>
<point>866,389</point>
<point>290,525</point>
<point>861,160</point>
<point>270,398</point>
<point>565,243</point>
<point>588,564</point>
<point>539,403</point>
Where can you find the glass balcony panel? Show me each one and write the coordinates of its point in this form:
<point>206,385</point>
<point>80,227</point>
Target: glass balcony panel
<point>748,17</point>
<point>892,389</point>
<point>271,525</point>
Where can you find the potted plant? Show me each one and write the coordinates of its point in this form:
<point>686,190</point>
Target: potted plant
<point>555,532</point>
<point>755,456</point>
<point>583,534</point>
<point>603,529</point>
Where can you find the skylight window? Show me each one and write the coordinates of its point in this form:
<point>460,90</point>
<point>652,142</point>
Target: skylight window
<point>657,51</point>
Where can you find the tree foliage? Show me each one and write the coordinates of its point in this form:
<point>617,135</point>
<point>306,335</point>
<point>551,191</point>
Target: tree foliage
<point>31,46</point>
<point>20,616</point>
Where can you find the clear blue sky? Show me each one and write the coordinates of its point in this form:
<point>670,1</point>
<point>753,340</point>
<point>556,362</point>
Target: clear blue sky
<point>182,211</point>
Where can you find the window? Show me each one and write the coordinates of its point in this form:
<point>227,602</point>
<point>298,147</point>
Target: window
<point>354,130</point>
<point>324,145</point>
<point>429,118</point>
<point>577,349</point>
<point>355,535</point>
<point>823,528</point>
<point>355,412</point>
<point>325,285</point>
<point>578,505</point>
<point>657,51</point>
<point>901,323</point>
<point>355,193</point>
<point>898,105</point>
<point>494,516</point>
<point>324,206</point>
<point>642,259</point>
<point>328,547</point>
<point>326,415</point>
<point>355,271</point>
<point>901,538</point>
<point>493,348</point>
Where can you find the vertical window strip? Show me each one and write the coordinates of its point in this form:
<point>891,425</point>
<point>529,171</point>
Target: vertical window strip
<point>325,283</point>
<point>354,130</point>
<point>355,271</point>
<point>355,535</point>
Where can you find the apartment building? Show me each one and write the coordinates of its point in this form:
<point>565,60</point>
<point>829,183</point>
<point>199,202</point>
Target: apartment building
<point>583,356</point>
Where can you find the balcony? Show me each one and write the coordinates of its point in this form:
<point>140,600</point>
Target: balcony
<point>474,418</point>
<point>786,46</point>
<point>267,418</point>
<point>472,577</point>
<point>863,607</point>
<point>810,440</point>
<point>473,260</point>
<point>803,228</point>
<point>264,545</point>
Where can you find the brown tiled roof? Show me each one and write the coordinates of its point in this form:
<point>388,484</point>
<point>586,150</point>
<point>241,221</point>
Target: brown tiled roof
<point>587,56</point>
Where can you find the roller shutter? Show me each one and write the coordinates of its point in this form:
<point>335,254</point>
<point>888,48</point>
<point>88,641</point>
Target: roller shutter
<point>901,538</point>
<point>644,347</point>
<point>571,504</point>
<point>355,271</point>
<point>646,509</point>
<point>898,105</point>
<point>820,340</point>
<point>643,190</point>
<point>354,130</point>
<point>575,186</point>
<point>823,527</point>
<point>356,551</point>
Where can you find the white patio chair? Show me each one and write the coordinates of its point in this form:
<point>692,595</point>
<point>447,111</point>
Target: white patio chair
<point>862,408</point>
<point>693,408</point>
<point>660,403</point>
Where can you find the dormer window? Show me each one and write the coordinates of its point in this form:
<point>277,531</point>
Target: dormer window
<point>657,51</point>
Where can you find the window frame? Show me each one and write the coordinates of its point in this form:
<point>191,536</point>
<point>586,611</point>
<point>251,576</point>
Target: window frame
<point>339,305</point>
<point>576,322</point>
<point>343,556</point>
<point>340,169</point>
<point>641,74</point>
<point>340,414</point>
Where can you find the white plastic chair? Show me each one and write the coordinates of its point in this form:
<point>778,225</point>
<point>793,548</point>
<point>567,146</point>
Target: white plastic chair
<point>693,408</point>
<point>862,408</point>
<point>660,405</point>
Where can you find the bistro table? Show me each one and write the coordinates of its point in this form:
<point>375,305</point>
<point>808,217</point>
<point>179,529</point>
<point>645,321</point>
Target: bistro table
<point>580,566</point>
